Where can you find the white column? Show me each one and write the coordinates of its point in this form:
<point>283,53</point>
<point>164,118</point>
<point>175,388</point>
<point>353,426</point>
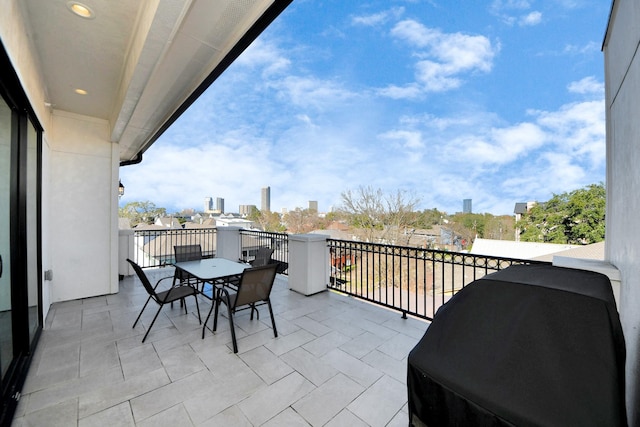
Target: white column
<point>125,250</point>
<point>308,263</point>
<point>228,243</point>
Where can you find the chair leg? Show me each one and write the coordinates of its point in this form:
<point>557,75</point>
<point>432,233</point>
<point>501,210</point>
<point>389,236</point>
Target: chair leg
<point>217,305</point>
<point>273,320</point>
<point>195,296</point>
<point>253,308</point>
<point>140,315</point>
<point>152,322</point>
<point>214,303</point>
<point>233,330</point>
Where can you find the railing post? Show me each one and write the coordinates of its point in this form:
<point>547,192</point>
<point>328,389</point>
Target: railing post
<point>125,250</point>
<point>228,243</point>
<point>308,263</point>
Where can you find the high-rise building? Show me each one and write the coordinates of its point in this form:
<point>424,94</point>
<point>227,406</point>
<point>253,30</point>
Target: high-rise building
<point>220,204</point>
<point>208,204</point>
<point>313,205</point>
<point>466,206</point>
<point>246,209</point>
<point>265,206</point>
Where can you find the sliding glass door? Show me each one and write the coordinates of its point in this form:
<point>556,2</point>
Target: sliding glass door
<point>6,329</point>
<point>20,237</point>
<point>32,232</point>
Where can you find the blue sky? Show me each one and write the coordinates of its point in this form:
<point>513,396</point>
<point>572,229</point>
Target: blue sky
<point>499,102</point>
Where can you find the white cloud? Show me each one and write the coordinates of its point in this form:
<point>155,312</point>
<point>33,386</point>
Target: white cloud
<point>500,145</point>
<point>409,142</point>
<point>531,19</point>
<point>562,172</point>
<point>588,86</point>
<point>444,58</point>
<point>577,129</point>
<point>498,6</point>
<point>409,91</point>
<point>415,33</point>
<point>511,12</point>
<point>379,18</point>
<point>477,155</point>
<point>311,91</point>
<point>586,49</point>
<point>266,55</point>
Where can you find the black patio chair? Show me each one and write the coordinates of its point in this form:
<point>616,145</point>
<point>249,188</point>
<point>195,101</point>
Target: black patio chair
<point>263,257</point>
<point>174,293</point>
<point>254,289</point>
<point>183,253</point>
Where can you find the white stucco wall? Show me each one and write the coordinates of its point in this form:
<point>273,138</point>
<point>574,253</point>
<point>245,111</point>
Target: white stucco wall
<point>83,221</point>
<point>622,70</point>
<point>80,167</point>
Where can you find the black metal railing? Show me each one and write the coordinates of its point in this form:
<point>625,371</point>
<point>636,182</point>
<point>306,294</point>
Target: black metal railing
<point>154,248</point>
<point>252,240</point>
<point>413,281</point>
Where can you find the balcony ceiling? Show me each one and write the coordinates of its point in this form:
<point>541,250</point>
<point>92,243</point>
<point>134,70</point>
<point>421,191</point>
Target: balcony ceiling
<point>141,62</point>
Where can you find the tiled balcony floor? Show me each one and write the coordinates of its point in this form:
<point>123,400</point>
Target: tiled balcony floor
<point>336,362</point>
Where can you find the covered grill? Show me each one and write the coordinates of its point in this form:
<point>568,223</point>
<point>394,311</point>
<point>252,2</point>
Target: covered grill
<point>528,345</point>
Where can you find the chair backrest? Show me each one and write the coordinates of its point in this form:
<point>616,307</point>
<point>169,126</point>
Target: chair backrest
<point>143,278</point>
<point>187,252</point>
<point>263,257</point>
<point>255,284</point>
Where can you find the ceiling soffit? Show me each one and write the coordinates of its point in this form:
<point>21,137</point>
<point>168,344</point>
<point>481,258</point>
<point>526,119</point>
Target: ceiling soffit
<point>142,62</point>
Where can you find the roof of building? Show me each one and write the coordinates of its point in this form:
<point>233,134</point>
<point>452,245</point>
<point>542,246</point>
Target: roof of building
<point>520,208</point>
<point>592,251</point>
<point>169,222</point>
<point>520,250</point>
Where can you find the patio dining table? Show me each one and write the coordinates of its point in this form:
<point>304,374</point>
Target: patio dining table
<point>212,271</point>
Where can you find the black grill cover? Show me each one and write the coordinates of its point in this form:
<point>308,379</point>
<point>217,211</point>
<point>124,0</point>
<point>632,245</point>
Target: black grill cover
<point>528,345</point>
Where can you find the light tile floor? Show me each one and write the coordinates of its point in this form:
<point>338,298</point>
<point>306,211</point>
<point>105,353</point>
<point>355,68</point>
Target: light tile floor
<point>337,361</point>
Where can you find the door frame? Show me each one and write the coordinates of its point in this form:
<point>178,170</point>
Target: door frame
<point>24,345</point>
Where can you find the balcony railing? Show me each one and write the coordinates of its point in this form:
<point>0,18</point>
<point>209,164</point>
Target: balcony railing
<point>154,248</point>
<point>411,280</point>
<point>251,241</point>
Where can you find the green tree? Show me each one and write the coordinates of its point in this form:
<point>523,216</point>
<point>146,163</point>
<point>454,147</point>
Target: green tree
<point>145,212</point>
<point>576,217</point>
<point>266,220</point>
<point>429,217</point>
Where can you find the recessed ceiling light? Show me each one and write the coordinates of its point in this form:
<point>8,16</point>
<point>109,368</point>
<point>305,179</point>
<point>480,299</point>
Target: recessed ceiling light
<point>80,91</point>
<point>82,10</point>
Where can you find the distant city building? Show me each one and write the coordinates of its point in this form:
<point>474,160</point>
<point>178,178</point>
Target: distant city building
<point>466,206</point>
<point>220,204</point>
<point>266,199</point>
<point>231,220</point>
<point>208,204</point>
<point>246,209</point>
<point>313,205</point>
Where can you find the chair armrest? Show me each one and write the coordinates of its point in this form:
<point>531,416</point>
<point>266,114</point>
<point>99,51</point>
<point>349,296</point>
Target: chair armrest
<point>164,278</point>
